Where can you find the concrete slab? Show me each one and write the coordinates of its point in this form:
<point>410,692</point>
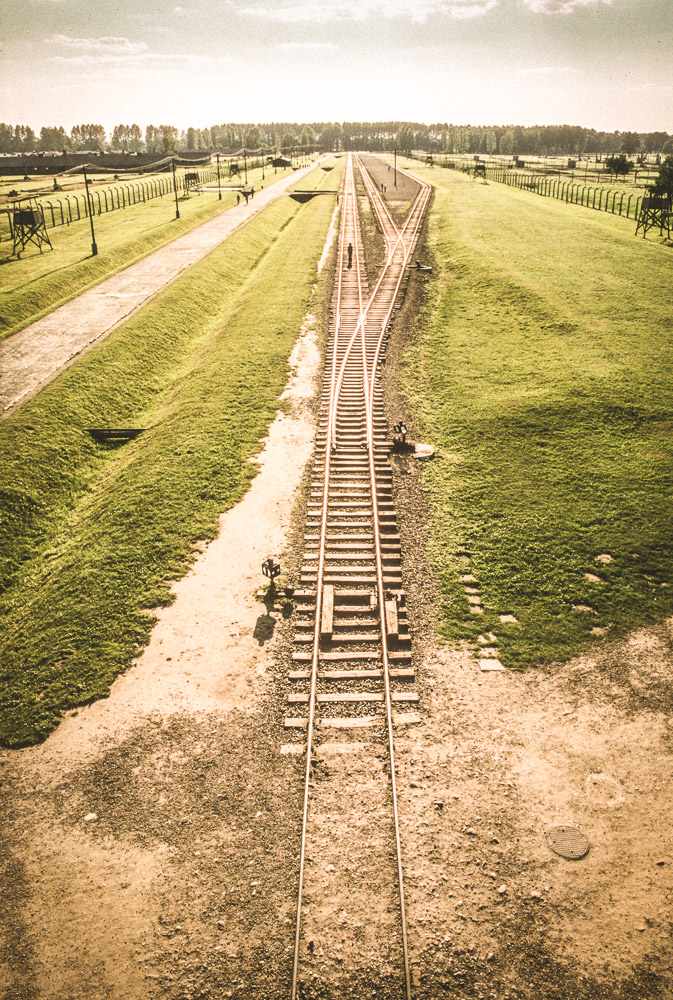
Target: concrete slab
<point>491,664</point>
<point>33,356</point>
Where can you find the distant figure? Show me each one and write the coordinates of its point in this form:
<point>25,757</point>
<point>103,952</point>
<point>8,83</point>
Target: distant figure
<point>252,192</point>
<point>246,199</point>
<point>350,255</point>
<point>238,199</point>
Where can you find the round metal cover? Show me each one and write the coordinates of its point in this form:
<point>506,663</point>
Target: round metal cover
<point>568,841</point>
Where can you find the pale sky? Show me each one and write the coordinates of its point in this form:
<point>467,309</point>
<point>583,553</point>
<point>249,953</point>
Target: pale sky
<point>606,64</point>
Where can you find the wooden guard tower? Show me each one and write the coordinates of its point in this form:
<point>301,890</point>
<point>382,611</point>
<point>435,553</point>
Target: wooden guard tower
<point>28,226</point>
<point>654,211</point>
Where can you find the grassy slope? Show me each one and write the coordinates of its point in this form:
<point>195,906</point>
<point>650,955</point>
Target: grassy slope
<point>542,372</point>
<point>93,536</point>
<point>38,283</point>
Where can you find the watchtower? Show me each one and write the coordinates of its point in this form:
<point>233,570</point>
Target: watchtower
<point>28,226</point>
<point>654,211</point>
<point>192,182</point>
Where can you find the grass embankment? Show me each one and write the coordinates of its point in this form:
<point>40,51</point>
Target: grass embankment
<point>93,536</point>
<point>541,371</point>
<point>38,283</point>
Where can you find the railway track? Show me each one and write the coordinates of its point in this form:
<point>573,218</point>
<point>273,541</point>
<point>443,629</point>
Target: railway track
<point>352,654</point>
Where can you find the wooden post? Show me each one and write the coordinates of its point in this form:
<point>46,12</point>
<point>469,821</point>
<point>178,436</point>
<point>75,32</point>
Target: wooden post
<point>94,247</point>
<point>327,618</point>
<point>175,189</point>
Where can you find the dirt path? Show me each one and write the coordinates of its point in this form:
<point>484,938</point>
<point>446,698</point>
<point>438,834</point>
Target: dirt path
<point>35,354</point>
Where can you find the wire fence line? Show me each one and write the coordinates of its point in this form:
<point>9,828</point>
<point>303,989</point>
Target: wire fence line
<point>599,198</point>
<point>573,192</point>
<point>67,209</point>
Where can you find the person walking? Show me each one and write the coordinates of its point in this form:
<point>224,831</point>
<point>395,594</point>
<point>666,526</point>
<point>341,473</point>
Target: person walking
<point>350,255</point>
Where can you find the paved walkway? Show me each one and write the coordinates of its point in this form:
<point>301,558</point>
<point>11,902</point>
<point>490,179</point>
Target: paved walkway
<point>31,357</point>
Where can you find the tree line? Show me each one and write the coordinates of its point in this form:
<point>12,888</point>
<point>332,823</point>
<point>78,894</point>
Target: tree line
<point>541,140</point>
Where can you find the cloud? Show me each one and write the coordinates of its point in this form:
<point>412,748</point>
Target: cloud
<point>111,50</point>
<point>107,43</point>
<point>560,6</point>
<point>360,10</point>
<point>142,60</point>
<point>548,71</point>
<point>307,46</point>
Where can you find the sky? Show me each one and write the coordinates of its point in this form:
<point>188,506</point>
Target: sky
<point>604,64</point>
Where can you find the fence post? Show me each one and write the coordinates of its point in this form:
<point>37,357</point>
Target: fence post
<point>51,207</point>
<point>593,200</point>
<point>621,202</point>
<point>60,205</point>
<point>98,196</point>
<point>637,211</point>
<point>600,199</point>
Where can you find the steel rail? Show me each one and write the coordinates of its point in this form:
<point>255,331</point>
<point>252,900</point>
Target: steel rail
<point>418,209</point>
<point>396,241</point>
<point>349,198</point>
<point>422,196</point>
<point>379,577</point>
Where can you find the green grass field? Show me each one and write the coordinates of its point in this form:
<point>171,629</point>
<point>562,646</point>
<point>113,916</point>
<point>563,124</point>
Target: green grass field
<point>92,536</point>
<point>541,371</point>
<point>37,283</point>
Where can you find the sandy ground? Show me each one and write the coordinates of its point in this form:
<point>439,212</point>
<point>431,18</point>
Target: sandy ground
<point>150,844</point>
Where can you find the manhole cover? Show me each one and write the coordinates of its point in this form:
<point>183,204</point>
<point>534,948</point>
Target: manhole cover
<point>568,841</point>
